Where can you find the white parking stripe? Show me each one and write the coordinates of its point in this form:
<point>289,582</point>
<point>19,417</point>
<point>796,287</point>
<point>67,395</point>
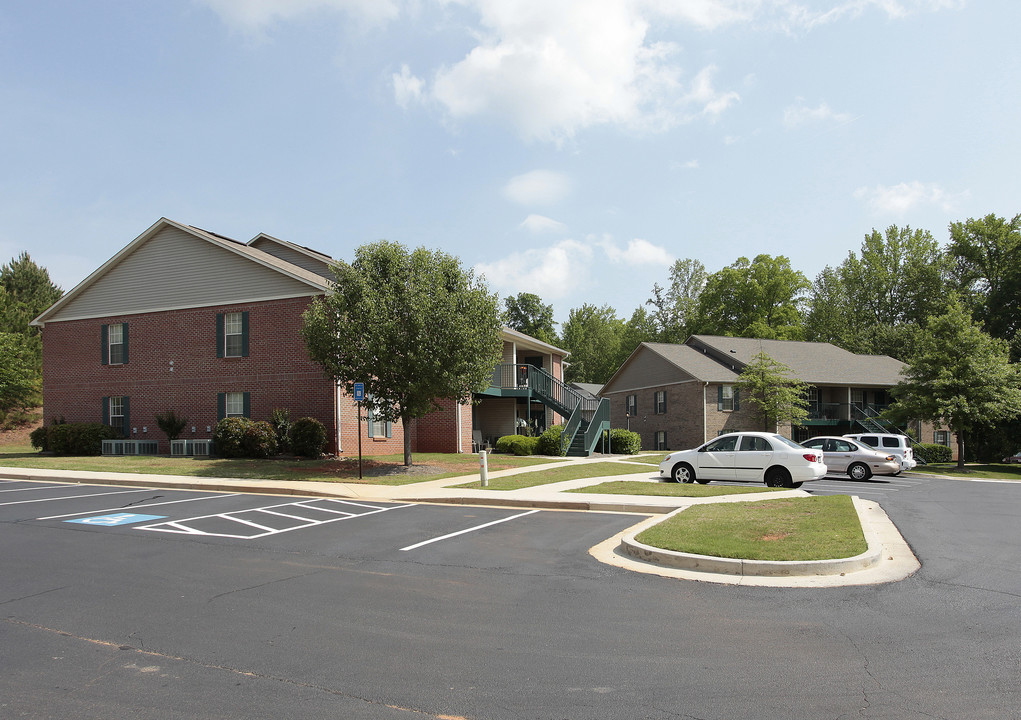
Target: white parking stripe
<point>75,497</point>
<point>168,502</point>
<point>35,487</point>
<point>185,526</point>
<point>234,518</point>
<point>468,530</point>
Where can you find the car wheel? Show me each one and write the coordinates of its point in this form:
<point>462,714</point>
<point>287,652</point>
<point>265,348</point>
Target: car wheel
<point>859,471</point>
<point>682,473</point>
<point>778,477</point>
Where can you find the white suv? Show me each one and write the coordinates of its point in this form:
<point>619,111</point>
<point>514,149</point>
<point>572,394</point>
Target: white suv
<point>889,443</point>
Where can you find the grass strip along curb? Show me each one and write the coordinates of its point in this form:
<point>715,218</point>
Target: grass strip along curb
<point>790,528</point>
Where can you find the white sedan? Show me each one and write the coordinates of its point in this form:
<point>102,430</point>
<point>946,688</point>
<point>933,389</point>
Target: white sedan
<point>761,457</point>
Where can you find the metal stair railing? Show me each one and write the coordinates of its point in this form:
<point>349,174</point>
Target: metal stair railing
<point>869,419</point>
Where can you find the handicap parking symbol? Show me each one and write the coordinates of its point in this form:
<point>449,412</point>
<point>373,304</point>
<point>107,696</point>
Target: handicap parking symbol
<point>115,519</point>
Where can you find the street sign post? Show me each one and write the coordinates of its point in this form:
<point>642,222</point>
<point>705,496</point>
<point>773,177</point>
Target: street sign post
<point>359,397</point>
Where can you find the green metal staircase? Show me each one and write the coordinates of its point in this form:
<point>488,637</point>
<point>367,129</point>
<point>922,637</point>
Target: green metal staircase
<point>586,419</point>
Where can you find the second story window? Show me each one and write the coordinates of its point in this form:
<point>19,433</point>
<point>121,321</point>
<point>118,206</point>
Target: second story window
<point>660,402</point>
<point>232,334</point>
<point>631,405</point>
<point>115,344</point>
<point>728,398</point>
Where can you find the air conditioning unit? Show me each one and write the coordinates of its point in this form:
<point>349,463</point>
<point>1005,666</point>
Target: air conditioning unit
<point>189,448</point>
<point>130,447</point>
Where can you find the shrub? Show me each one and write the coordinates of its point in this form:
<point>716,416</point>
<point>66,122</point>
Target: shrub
<point>171,424</point>
<point>281,422</point>
<point>228,436</point>
<point>307,437</point>
<point>40,438</point>
<point>933,453</point>
<point>260,439</point>
<point>549,442</point>
<point>625,442</point>
<point>517,444</point>
<point>77,438</point>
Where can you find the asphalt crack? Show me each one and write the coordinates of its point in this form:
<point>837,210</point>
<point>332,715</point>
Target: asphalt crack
<point>236,671</point>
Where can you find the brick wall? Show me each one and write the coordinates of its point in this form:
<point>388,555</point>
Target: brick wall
<point>173,365</point>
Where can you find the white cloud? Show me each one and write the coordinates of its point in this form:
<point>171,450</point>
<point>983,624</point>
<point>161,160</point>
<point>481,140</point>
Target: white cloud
<point>254,16</point>
<point>801,114</point>
<point>552,69</point>
<point>551,273</point>
<point>899,199</point>
<point>637,252</point>
<point>542,224</point>
<point>407,87</point>
<point>538,187</point>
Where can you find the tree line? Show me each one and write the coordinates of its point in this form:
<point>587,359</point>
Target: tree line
<point>950,312</point>
<point>25,291</point>
<point>879,300</point>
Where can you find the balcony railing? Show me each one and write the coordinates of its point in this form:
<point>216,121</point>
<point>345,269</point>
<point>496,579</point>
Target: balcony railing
<point>842,411</point>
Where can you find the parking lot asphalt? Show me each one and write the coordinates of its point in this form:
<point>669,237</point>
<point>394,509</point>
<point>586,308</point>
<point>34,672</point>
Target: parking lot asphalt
<point>889,557</point>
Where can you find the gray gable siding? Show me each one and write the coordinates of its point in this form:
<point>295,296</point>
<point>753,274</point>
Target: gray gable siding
<point>175,269</point>
<point>647,369</point>
<point>288,254</point>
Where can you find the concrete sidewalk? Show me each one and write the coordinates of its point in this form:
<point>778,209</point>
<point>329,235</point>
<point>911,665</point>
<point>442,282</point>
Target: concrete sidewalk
<point>889,557</point>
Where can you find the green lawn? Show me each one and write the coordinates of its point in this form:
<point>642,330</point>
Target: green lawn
<point>993,471</point>
<point>636,487</point>
<point>546,477</point>
<point>812,528</point>
<point>377,470</point>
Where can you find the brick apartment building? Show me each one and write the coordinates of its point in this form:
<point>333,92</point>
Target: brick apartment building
<point>681,395</point>
<point>187,320</point>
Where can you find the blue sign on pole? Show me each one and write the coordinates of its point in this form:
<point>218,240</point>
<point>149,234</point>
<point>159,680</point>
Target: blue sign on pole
<point>359,392</point>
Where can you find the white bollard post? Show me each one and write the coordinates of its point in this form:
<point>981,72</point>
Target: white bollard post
<point>483,468</point>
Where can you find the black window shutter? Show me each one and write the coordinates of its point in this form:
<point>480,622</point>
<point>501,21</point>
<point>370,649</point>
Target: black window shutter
<point>368,407</point>
<point>247,405</point>
<point>124,334</point>
<point>719,397</point>
<point>126,427</point>
<point>219,335</point>
<point>104,339</point>
<point>244,334</point>
<point>105,412</point>
<point>221,406</point>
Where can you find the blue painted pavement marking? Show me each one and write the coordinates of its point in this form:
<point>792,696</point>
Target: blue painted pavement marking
<point>116,519</point>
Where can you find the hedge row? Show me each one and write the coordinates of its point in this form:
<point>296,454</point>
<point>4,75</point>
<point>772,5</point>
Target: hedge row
<point>73,438</point>
<point>622,442</point>
<point>232,437</point>
<point>932,453</point>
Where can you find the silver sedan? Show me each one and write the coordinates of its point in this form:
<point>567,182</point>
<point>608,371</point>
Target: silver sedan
<point>860,462</point>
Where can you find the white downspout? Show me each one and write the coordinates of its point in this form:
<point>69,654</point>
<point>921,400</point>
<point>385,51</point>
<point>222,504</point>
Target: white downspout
<point>705,413</point>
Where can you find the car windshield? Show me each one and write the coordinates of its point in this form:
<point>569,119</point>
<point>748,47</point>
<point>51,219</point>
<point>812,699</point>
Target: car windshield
<point>788,442</point>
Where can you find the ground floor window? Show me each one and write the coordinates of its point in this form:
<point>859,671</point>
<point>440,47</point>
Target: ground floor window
<point>661,440</point>
<point>942,437</point>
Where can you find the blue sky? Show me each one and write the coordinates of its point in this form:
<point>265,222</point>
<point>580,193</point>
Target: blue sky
<point>569,148</point>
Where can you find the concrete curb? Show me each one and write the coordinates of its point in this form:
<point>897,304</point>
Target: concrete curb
<point>759,568</point>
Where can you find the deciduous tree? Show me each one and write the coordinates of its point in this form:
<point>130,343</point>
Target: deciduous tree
<point>960,377</point>
<point>593,336</point>
<point>527,313</point>
<point>414,327</point>
<point>768,385</point>
<point>761,299</point>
